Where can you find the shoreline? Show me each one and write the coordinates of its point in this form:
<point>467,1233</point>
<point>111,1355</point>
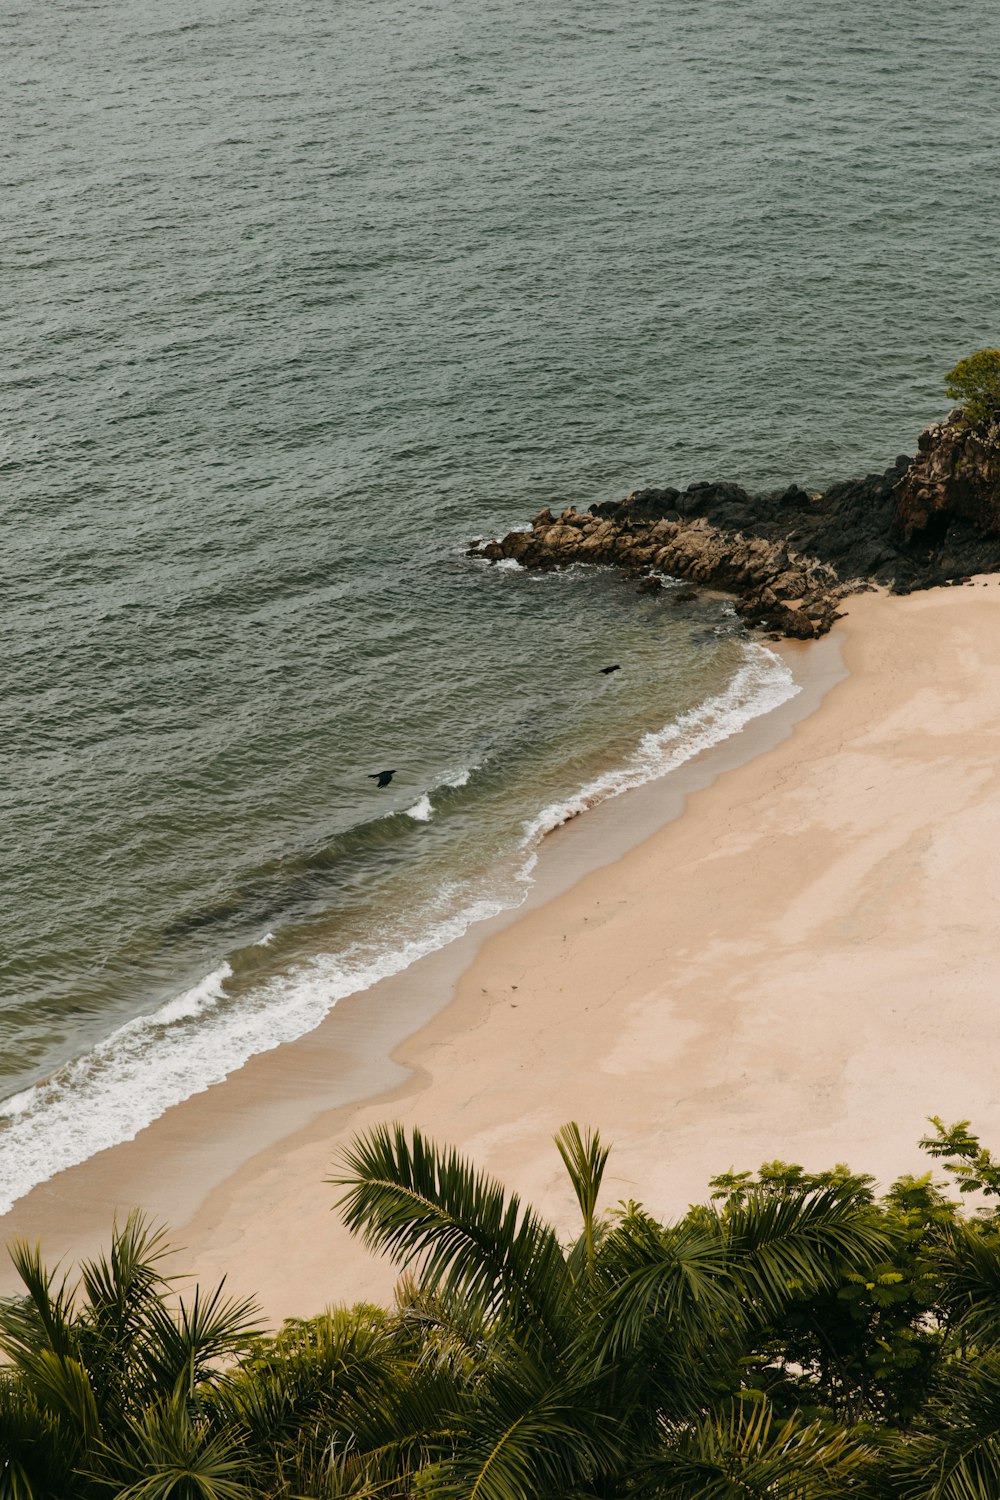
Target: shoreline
<point>355,1056</point>
<point>800,966</point>
<point>206,1030</point>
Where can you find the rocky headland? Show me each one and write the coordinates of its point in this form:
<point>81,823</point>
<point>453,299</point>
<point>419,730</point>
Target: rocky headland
<point>787,556</point>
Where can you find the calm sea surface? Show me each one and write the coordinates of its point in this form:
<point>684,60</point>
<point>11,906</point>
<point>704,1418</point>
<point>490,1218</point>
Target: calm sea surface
<point>297,298</point>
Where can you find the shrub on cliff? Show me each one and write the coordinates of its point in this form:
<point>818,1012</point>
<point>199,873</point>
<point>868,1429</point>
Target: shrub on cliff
<point>975,382</point>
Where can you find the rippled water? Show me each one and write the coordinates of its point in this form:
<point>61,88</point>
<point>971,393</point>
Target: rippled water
<point>299,298</point>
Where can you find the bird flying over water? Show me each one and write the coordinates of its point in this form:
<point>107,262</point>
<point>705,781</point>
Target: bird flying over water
<point>615,668</point>
<point>382,777</point>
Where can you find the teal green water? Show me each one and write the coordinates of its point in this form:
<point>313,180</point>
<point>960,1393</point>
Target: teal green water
<point>298,299</point>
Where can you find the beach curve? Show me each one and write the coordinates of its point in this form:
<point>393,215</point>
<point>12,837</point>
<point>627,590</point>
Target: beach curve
<point>799,966</point>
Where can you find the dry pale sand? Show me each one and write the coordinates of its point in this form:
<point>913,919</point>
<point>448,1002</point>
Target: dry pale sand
<point>804,965</point>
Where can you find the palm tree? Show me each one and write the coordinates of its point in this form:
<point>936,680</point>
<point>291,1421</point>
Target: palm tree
<point>105,1379</point>
<point>955,1452</point>
<point>346,1404</point>
<point>591,1364</point>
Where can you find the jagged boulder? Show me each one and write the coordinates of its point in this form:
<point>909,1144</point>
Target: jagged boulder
<point>955,476</point>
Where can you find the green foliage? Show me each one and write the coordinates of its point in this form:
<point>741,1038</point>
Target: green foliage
<point>975,382</point>
<point>584,1159</point>
<point>956,1453</point>
<point>797,1338</point>
<point>592,1361</point>
<point>747,1453</point>
<point>417,1204</point>
<point>97,1368</point>
<point>865,1347</point>
<point>970,1164</point>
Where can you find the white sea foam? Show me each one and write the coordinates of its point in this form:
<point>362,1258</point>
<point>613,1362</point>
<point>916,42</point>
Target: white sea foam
<point>460,778</point>
<point>762,683</point>
<point>422,811</point>
<point>195,1040</point>
<point>199,1037</point>
<point>265,941</point>
<point>194,1002</point>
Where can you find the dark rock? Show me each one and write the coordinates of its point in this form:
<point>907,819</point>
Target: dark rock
<point>954,478</point>
<point>788,556</point>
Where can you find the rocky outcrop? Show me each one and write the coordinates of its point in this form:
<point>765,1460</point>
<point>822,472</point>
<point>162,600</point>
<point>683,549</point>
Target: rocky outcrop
<point>955,476</point>
<point>775,587</point>
<point>789,556</point>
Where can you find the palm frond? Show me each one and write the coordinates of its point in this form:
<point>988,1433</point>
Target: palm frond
<point>118,1283</point>
<point>440,1329</point>
<point>43,1317</point>
<point>785,1243</point>
<point>416,1203</point>
<point>37,1454</point>
<point>679,1280</point>
<point>744,1453</point>
<point>184,1344</point>
<point>414,1420</point>
<point>124,1290</point>
<point>969,1263</point>
<point>310,1374</point>
<point>167,1454</point>
<point>526,1435</point>
<point>584,1159</point>
<point>957,1456</point>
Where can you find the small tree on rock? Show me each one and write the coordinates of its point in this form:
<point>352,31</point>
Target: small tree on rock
<point>975,382</point>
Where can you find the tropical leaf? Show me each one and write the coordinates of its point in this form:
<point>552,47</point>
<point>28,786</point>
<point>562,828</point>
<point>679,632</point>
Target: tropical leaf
<point>124,1290</point>
<point>679,1280</point>
<point>440,1329</point>
<point>44,1316</point>
<point>411,1422</point>
<point>36,1453</point>
<point>968,1260</point>
<point>957,1455</point>
<point>117,1284</point>
<point>526,1435</point>
<point>790,1242</point>
<point>744,1453</point>
<point>61,1386</point>
<point>584,1159</point>
<point>185,1344</point>
<point>469,1237</point>
<point>166,1453</point>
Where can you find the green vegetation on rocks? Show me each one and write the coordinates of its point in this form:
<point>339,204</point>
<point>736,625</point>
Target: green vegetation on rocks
<point>975,382</point>
<point>798,1337</point>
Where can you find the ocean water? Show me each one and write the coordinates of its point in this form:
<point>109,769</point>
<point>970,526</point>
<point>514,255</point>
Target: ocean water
<point>298,299</point>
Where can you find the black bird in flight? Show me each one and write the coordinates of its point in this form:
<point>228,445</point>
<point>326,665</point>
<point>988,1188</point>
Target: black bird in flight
<point>606,670</point>
<point>382,777</point>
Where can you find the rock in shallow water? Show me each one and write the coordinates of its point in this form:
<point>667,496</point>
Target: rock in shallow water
<point>787,556</point>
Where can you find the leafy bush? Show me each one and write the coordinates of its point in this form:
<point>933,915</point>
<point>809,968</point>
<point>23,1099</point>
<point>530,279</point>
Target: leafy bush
<point>975,382</point>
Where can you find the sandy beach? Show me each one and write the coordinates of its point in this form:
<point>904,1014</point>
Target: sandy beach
<point>801,965</point>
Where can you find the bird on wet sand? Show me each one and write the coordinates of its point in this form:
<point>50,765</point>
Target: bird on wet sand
<point>382,777</point>
<point>606,670</point>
